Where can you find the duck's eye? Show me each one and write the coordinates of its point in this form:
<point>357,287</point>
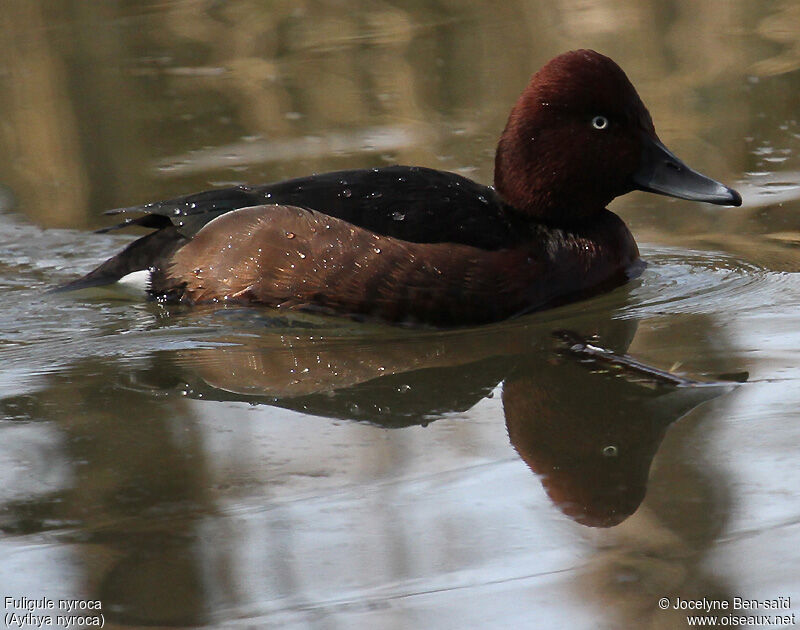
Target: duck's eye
<point>600,122</point>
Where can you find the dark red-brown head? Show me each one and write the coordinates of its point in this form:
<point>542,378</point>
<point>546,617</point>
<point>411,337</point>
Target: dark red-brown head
<point>579,136</point>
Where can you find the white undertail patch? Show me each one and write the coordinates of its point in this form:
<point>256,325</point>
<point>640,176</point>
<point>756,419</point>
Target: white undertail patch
<point>137,282</point>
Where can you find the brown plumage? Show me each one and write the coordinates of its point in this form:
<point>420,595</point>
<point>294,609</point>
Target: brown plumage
<point>291,258</point>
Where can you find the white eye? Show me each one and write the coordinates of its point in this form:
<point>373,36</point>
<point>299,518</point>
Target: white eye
<point>600,122</point>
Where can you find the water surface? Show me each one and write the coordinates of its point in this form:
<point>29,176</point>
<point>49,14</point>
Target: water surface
<point>229,467</point>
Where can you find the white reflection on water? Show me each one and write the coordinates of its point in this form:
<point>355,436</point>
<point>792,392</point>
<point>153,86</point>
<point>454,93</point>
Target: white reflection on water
<point>761,189</point>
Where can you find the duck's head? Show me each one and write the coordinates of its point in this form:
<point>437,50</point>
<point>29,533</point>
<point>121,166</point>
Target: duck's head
<point>579,136</point>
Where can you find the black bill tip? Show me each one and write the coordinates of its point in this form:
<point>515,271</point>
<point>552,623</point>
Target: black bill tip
<point>736,198</point>
<point>663,173</point>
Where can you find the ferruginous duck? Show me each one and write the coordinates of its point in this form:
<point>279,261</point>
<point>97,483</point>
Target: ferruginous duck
<point>414,245</point>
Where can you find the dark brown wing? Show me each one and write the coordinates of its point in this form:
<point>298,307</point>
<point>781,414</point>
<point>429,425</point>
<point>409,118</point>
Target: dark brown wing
<point>288,257</point>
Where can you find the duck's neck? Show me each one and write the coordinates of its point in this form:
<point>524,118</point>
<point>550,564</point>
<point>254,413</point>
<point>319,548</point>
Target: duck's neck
<point>536,187</point>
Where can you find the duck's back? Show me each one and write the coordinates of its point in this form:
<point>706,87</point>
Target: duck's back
<point>410,203</point>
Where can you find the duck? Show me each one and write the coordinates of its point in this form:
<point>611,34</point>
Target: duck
<point>412,245</point>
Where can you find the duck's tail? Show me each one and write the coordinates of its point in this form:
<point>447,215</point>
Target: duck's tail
<point>149,252</point>
<point>175,222</point>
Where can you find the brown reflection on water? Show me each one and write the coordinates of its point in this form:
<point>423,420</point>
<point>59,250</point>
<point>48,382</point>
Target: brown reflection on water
<point>68,141</point>
<point>40,129</point>
<point>590,434</point>
<point>591,439</point>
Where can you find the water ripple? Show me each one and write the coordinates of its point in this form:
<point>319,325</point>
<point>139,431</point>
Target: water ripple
<point>695,282</point>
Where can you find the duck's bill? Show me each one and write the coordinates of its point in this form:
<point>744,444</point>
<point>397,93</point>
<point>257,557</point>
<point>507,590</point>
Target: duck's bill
<point>663,173</point>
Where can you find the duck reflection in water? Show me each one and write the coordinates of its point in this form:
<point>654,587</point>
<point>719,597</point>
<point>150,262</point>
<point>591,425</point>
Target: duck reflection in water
<point>591,437</point>
<point>589,432</point>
